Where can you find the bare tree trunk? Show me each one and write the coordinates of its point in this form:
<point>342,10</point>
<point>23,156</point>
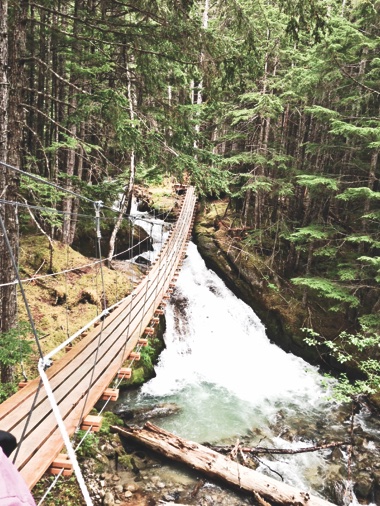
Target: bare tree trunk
<point>4,84</point>
<point>126,201</point>
<point>12,49</point>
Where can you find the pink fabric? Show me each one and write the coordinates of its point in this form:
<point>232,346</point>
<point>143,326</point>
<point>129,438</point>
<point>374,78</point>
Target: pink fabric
<point>13,489</point>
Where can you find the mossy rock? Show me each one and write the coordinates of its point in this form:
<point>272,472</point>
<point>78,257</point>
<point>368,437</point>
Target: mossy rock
<point>127,462</point>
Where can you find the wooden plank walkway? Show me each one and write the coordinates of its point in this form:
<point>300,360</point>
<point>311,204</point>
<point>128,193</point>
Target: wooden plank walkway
<point>79,379</point>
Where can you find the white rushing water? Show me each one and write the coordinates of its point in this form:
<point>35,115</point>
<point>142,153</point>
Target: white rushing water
<point>156,228</point>
<point>229,380</point>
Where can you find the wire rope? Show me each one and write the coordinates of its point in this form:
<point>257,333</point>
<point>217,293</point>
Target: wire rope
<point>44,181</point>
<point>26,424</point>
<point>67,293</point>
<point>75,214</point>
<point>51,486</point>
<point>64,434</point>
<point>42,276</point>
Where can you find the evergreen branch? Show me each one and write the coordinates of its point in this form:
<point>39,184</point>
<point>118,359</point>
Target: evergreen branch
<point>347,74</point>
<point>91,39</point>
<point>59,77</point>
<point>82,21</point>
<point>47,95</point>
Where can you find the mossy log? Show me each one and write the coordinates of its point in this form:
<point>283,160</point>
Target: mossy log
<point>217,466</point>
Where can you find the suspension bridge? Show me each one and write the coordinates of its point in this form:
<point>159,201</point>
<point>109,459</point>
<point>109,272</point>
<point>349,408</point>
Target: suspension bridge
<point>45,413</point>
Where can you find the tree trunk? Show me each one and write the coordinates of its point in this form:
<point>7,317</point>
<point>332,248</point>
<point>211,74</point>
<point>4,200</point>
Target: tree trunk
<point>126,201</point>
<point>68,205</point>
<point>4,84</point>
<point>218,466</point>
<point>10,140</point>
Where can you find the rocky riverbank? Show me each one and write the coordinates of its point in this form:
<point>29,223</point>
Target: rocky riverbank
<point>121,473</point>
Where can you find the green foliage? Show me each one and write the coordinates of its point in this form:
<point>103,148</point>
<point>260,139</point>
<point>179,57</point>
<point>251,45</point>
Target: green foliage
<point>326,251</point>
<point>147,356</point>
<point>357,239</point>
<point>6,390</point>
<point>367,133</point>
<point>109,419</point>
<point>89,444</point>
<point>15,345</point>
<point>357,193</point>
<point>322,113</point>
<point>328,289</point>
<point>264,105</point>
<point>42,196</point>
<point>259,185</point>
<point>311,181</point>
<point>149,175</point>
<point>309,233</point>
<point>361,351</point>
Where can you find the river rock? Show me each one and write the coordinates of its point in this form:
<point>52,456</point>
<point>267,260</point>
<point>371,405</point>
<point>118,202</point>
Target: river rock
<point>131,488</point>
<point>169,498</point>
<point>109,499</point>
<point>363,485</point>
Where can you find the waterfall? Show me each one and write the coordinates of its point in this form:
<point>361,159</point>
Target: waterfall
<point>230,382</point>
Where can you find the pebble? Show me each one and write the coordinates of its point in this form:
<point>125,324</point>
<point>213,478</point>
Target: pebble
<point>132,488</point>
<point>169,498</point>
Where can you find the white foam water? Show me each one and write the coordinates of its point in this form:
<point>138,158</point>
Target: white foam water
<point>229,380</point>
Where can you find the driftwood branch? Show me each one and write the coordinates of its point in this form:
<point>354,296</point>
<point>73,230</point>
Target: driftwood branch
<point>218,466</point>
<point>275,451</point>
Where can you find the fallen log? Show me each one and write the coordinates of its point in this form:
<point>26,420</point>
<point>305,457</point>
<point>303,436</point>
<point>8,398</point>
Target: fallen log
<point>218,466</point>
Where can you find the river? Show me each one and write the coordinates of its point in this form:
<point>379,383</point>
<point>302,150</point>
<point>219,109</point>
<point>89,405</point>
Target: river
<point>230,382</point>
